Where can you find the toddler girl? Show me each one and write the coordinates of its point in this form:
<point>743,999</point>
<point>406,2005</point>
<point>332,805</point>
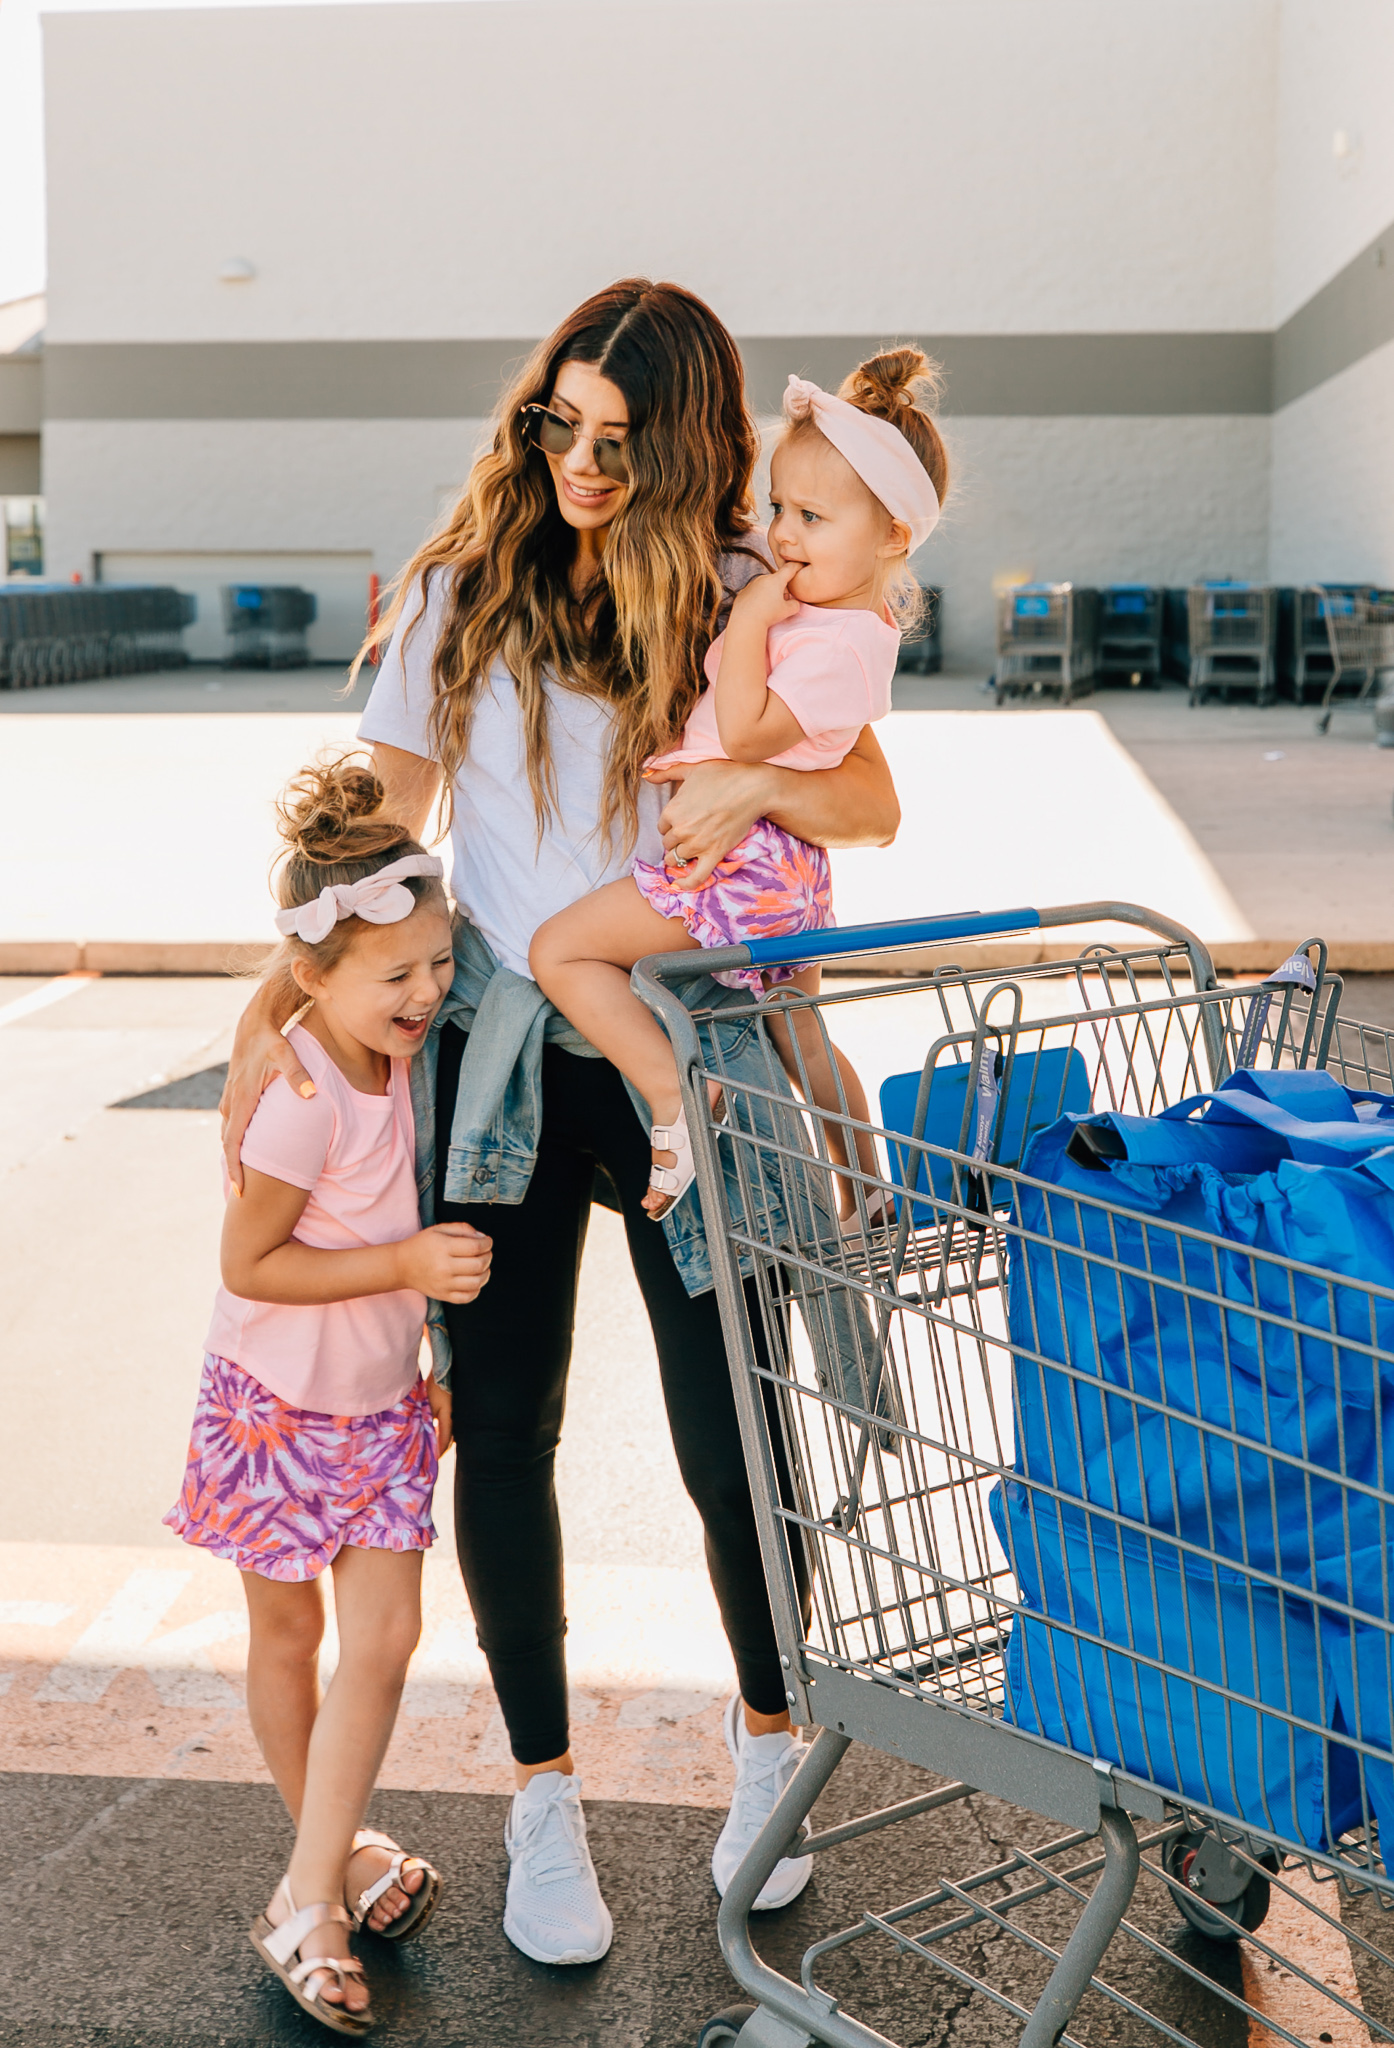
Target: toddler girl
<point>805,662</point>
<point>314,1440</point>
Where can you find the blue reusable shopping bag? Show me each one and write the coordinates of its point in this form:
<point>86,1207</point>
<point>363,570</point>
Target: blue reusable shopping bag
<point>1117,1371</point>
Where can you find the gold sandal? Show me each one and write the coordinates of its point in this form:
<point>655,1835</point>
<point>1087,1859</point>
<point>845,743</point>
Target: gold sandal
<point>420,1903</point>
<point>279,1946</point>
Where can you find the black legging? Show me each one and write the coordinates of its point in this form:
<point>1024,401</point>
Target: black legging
<point>512,1349</point>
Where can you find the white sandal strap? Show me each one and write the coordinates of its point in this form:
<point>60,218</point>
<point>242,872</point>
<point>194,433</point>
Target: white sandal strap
<point>283,1941</point>
<point>338,1966</point>
<point>392,1875</point>
<point>372,1838</point>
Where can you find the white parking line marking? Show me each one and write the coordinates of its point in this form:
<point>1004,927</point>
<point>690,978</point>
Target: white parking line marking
<point>181,1668</point>
<point>116,1639</point>
<point>51,992</point>
<point>32,1613</point>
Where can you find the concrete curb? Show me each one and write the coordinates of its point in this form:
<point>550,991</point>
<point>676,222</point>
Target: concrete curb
<point>245,956</point>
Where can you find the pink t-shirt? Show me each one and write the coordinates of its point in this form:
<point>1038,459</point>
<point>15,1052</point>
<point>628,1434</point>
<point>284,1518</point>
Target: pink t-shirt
<point>832,668</point>
<point>356,1154</point>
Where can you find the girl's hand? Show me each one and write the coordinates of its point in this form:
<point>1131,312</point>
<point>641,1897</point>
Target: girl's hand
<point>450,1261</point>
<point>712,808</point>
<point>442,1412</point>
<point>765,600</point>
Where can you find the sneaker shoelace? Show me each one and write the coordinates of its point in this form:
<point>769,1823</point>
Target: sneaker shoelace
<point>548,1840</point>
<point>758,1786</point>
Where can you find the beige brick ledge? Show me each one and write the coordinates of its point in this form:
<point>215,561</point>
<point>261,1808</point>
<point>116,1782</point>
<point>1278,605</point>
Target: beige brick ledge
<point>227,956</point>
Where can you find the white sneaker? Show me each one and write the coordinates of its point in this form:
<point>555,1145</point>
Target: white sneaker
<point>554,1912</point>
<point>764,1766</point>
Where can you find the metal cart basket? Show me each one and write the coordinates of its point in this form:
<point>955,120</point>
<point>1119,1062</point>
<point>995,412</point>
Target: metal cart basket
<point>1233,630</point>
<point>1351,642</point>
<point>1046,635</point>
<point>1205,1722</point>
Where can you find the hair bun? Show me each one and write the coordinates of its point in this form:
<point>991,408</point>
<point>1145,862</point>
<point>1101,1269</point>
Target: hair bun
<point>331,812</point>
<point>895,381</point>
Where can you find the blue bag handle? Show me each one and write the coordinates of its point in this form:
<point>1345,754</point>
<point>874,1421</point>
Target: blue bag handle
<point>1307,1109</point>
<point>1252,1121</point>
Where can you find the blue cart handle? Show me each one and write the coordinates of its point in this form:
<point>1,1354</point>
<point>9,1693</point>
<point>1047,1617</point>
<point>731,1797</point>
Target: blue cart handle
<point>850,941</point>
<point>837,942</point>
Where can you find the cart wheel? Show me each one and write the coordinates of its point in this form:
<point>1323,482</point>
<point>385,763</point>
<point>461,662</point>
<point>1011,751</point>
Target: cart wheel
<point>1197,1860</point>
<point>724,2026</point>
<point>1324,722</point>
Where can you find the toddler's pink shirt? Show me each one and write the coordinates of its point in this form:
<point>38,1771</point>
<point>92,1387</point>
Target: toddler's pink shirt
<point>356,1154</point>
<point>832,668</point>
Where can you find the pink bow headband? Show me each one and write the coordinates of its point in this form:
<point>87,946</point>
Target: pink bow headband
<point>879,453</point>
<point>378,899</point>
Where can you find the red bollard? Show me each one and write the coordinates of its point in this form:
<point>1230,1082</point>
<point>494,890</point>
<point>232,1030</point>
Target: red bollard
<point>77,575</point>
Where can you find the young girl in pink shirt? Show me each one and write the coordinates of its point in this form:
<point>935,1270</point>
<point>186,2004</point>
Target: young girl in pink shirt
<point>315,1441</point>
<point>805,662</point>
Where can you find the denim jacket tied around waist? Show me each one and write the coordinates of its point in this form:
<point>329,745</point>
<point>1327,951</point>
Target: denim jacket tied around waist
<point>497,1124</point>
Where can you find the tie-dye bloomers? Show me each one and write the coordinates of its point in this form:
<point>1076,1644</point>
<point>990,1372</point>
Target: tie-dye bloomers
<point>767,887</point>
<point>279,1490</point>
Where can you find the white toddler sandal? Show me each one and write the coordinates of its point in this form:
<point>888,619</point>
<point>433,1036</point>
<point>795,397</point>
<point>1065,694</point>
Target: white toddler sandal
<point>279,1946</point>
<point>880,1214</point>
<point>672,1181</point>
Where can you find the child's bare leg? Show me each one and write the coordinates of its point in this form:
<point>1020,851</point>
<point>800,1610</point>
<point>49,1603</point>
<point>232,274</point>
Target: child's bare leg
<point>582,957</point>
<point>287,1628</point>
<point>811,1068</point>
<point>378,1605</point>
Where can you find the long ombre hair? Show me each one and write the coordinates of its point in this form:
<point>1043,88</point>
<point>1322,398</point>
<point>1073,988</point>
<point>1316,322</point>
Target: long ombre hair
<point>637,636</point>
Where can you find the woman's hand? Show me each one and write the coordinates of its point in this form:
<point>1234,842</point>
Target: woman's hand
<point>716,803</point>
<point>259,1054</point>
<point>711,810</point>
<point>450,1261</point>
<point>441,1413</point>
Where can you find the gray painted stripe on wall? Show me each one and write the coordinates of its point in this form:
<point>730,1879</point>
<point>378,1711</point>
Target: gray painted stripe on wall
<point>1027,374</point>
<point>987,375</point>
<point>276,380</point>
<point>1036,375</point>
<point>1352,315</point>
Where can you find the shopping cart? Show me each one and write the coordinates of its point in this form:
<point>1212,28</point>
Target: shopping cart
<point>1130,632</point>
<point>1046,635</point>
<point>68,633</point>
<point>922,649</point>
<point>965,1592</point>
<point>1233,632</point>
<point>1350,639</point>
<point>266,625</point>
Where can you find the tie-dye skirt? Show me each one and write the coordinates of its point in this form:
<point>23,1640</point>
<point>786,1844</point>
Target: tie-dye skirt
<point>767,887</point>
<point>279,1490</point>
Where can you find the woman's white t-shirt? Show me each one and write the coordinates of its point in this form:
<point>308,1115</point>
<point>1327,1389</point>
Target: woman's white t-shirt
<point>506,879</point>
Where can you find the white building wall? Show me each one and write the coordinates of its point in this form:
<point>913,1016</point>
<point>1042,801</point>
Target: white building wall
<point>1094,501</point>
<point>1335,74</point>
<point>940,166</point>
<point>1333,479</point>
<point>1333,448</point>
<point>422,172</point>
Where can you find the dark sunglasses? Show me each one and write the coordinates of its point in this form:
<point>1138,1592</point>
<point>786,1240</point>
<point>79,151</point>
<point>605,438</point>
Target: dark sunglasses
<point>556,436</point>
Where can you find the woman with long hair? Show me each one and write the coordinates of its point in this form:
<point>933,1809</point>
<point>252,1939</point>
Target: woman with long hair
<point>540,647</point>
